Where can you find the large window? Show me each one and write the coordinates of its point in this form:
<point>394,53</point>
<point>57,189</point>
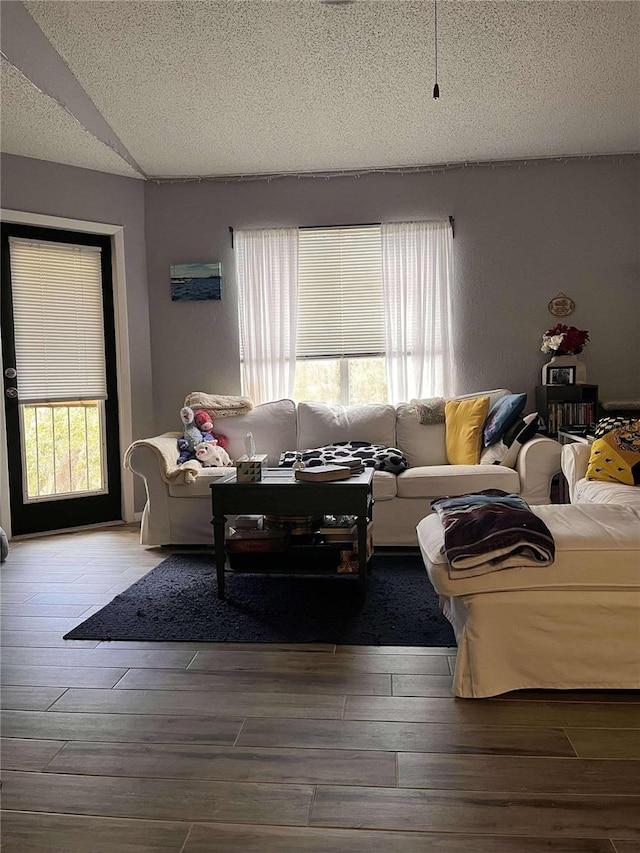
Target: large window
<point>340,341</point>
<point>350,315</point>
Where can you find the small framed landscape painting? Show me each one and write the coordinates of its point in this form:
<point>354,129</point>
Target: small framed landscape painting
<point>194,282</point>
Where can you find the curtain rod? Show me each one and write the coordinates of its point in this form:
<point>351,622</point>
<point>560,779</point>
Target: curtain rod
<point>348,225</point>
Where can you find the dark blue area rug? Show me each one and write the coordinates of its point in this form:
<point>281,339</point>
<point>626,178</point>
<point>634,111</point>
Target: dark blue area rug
<point>177,601</point>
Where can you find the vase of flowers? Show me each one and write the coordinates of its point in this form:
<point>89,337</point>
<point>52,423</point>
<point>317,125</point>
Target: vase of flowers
<point>566,343</point>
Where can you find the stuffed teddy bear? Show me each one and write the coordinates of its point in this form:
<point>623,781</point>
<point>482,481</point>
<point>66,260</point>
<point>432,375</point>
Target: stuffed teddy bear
<point>211,455</point>
<point>185,453</point>
<point>205,425</point>
<point>191,433</point>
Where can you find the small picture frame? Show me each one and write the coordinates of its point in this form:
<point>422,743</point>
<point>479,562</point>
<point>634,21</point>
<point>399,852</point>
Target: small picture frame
<point>561,305</point>
<point>565,375</point>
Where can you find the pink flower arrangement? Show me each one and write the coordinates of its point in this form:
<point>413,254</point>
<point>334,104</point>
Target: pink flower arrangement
<point>564,340</point>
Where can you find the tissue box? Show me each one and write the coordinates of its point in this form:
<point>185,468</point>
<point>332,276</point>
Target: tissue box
<point>249,470</point>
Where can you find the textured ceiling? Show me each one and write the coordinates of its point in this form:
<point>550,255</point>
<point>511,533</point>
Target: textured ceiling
<point>26,114</point>
<point>259,86</point>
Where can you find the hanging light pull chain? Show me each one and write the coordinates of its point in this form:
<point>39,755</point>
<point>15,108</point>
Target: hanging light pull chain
<point>436,88</point>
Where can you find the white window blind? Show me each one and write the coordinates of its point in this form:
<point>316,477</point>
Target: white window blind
<point>340,306</point>
<point>58,321</point>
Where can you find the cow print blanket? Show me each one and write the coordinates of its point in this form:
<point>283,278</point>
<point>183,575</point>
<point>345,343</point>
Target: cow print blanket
<point>376,456</point>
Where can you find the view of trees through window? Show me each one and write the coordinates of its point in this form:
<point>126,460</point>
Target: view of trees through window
<point>63,448</point>
<point>350,381</point>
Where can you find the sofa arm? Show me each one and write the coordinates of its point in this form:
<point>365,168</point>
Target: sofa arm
<point>164,450</point>
<point>538,463</point>
<point>154,460</point>
<point>575,461</point>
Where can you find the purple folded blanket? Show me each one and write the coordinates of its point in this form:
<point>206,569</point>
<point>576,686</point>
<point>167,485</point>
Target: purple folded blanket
<point>491,530</point>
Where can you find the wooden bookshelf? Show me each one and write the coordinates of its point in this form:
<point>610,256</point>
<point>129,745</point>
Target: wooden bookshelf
<point>566,405</point>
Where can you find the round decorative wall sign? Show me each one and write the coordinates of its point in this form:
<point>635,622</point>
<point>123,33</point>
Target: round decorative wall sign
<point>561,305</point>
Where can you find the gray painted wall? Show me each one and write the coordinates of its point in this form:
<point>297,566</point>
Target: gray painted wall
<point>523,233</point>
<point>37,186</point>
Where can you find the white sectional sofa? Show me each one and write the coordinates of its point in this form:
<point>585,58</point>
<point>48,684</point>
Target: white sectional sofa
<point>178,507</point>
<point>572,625</point>
<point>575,460</point>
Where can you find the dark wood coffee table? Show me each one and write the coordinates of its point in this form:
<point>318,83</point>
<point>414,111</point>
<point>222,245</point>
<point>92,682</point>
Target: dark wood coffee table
<point>278,493</point>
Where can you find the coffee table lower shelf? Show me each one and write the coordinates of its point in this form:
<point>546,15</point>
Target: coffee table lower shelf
<point>332,560</point>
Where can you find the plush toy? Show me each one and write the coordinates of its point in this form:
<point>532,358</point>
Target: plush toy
<point>185,453</point>
<point>191,433</point>
<point>205,425</point>
<point>212,455</point>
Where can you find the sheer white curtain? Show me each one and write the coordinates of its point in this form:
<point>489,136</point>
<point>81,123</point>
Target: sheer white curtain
<point>267,270</point>
<point>416,275</point>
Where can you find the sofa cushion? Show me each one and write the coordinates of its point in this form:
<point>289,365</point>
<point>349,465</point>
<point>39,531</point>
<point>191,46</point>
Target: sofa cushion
<point>322,423</point>
<point>501,415</point>
<point>616,456</point>
<point>464,420</point>
<point>273,426</point>
<point>201,487</point>
<point>439,480</point>
<point>597,492</point>
<point>421,444</point>
<point>384,486</point>
<point>597,548</point>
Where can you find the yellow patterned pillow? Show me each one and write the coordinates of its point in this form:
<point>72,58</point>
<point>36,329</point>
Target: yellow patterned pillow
<point>464,421</point>
<point>615,458</point>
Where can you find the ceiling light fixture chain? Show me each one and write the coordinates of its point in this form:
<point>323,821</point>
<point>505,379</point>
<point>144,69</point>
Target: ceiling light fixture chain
<point>436,88</point>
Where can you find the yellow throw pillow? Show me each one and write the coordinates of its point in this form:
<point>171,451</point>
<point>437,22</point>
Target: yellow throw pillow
<point>615,458</point>
<point>464,421</point>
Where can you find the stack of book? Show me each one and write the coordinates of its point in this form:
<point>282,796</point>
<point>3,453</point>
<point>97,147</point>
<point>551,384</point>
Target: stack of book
<point>347,536</point>
<point>338,534</point>
<point>356,465</point>
<point>294,525</point>
<point>323,473</point>
<point>256,541</point>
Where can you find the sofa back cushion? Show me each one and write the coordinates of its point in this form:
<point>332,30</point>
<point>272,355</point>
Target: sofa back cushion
<point>421,444</point>
<point>273,426</point>
<point>426,445</point>
<point>322,423</point>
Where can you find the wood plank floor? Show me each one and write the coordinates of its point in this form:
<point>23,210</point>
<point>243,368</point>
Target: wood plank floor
<point>229,748</point>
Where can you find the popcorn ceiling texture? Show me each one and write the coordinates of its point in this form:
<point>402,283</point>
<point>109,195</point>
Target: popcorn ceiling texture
<point>25,114</point>
<point>209,88</point>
